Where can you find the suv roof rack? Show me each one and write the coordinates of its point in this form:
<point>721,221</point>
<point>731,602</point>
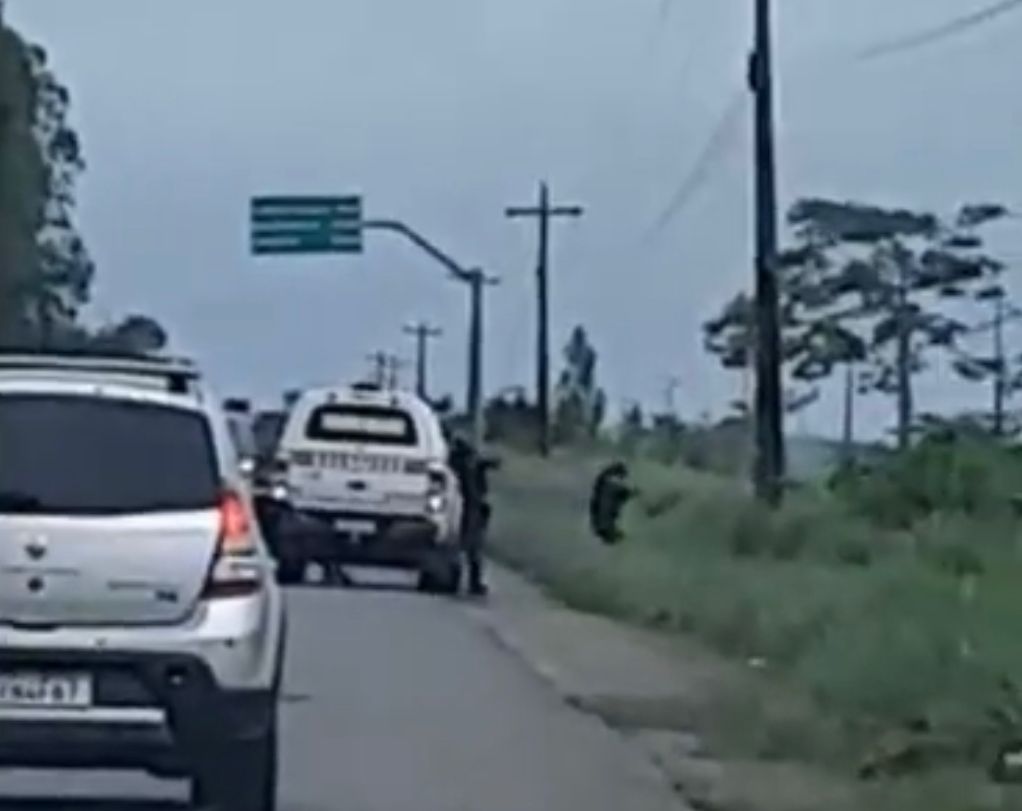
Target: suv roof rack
<point>237,405</point>
<point>179,373</point>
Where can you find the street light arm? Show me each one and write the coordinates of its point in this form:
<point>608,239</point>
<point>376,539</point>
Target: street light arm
<point>421,242</point>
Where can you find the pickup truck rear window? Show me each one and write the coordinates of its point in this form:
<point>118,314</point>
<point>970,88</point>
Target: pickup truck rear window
<point>363,425</point>
<point>67,455</point>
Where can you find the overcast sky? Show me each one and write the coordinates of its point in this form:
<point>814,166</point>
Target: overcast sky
<point>443,112</point>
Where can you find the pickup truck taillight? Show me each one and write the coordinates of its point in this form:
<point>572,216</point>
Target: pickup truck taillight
<point>436,491</point>
<point>236,570</point>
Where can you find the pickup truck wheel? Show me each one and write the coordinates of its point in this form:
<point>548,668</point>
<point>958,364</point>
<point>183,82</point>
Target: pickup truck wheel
<point>426,582</point>
<point>291,572</point>
<point>199,795</point>
<point>440,576</point>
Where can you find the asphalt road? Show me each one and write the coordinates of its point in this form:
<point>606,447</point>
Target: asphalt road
<point>400,702</point>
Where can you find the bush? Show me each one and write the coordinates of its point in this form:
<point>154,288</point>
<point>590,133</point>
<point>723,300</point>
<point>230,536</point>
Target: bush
<point>886,628</point>
<point>949,472</point>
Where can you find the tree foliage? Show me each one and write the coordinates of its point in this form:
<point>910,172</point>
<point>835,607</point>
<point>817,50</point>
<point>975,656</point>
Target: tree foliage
<point>869,287</point>
<point>580,405</point>
<point>45,268</point>
<point>65,269</point>
<point>22,185</point>
<point>511,418</point>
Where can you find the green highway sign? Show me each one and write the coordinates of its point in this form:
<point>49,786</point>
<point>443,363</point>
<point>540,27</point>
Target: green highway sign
<point>306,225</point>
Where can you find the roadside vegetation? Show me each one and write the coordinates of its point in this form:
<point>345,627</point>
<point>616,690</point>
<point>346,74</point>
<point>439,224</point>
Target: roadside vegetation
<point>903,631</point>
<point>885,591</point>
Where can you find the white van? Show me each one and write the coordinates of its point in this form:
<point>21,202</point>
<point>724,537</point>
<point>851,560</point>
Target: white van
<point>363,479</point>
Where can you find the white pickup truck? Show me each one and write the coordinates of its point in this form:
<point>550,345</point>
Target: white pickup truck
<point>362,478</point>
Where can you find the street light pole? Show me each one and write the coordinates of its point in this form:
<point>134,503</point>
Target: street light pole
<point>475,355</point>
<point>476,280</point>
<point>768,473</point>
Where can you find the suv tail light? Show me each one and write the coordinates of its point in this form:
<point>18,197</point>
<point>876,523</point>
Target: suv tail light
<point>235,571</point>
<point>437,481</point>
<point>436,491</point>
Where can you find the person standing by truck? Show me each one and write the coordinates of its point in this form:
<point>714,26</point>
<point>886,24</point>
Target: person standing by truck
<point>471,471</point>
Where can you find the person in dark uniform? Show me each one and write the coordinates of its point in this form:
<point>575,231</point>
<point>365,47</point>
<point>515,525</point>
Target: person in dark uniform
<point>472,471</point>
<point>611,492</point>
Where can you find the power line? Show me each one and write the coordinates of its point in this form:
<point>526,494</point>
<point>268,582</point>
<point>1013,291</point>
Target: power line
<point>950,28</point>
<point>715,148</point>
<point>718,142</point>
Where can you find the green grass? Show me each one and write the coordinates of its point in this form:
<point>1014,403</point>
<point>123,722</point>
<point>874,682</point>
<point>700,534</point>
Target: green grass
<point>884,629</point>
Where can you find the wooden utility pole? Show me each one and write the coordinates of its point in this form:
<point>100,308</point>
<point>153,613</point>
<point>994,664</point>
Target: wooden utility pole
<point>670,390</point>
<point>422,332</point>
<point>848,427</point>
<point>903,361</point>
<point>1000,366</point>
<point>543,212</point>
<point>385,369</point>
<point>769,468</point>
<point>379,367</point>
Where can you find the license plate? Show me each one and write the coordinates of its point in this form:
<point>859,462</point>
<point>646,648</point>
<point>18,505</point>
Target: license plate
<point>71,690</point>
<point>355,527</point>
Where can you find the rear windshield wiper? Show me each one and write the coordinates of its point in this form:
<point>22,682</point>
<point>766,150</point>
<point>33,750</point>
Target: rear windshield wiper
<point>12,501</point>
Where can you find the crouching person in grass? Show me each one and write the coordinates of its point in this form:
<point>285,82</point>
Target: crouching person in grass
<point>611,492</point>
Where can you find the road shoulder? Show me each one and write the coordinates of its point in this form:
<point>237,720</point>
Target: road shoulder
<point>664,695</point>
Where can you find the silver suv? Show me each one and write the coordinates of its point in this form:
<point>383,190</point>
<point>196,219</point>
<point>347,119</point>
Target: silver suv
<point>140,623</point>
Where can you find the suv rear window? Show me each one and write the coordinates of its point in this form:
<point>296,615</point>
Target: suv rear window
<point>91,456</point>
<point>242,436</point>
<point>370,425</point>
<point>267,428</point>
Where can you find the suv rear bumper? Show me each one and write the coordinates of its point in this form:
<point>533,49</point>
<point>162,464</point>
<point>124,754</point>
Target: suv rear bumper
<point>395,541</point>
<point>163,713</point>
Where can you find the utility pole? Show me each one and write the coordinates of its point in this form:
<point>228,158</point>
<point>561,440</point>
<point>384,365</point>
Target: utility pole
<point>670,389</point>
<point>385,369</point>
<point>769,467</point>
<point>477,281</point>
<point>848,427</point>
<point>543,212</point>
<point>906,406</point>
<point>379,367</point>
<point>393,372</point>
<point>1000,368</point>
<point>422,332</point>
